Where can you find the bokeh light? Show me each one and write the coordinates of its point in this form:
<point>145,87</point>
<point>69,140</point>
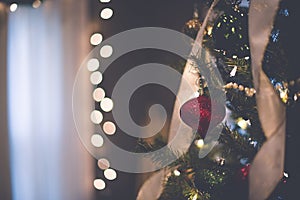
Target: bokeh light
<point>106,104</point>
<point>106,51</point>
<point>96,78</point>
<point>103,164</point>
<point>98,94</point>
<point>96,117</point>
<point>110,174</point>
<point>106,13</point>
<point>96,39</point>
<point>97,140</point>
<point>99,184</point>
<point>109,128</point>
<point>36,4</point>
<point>13,7</point>
<point>93,64</point>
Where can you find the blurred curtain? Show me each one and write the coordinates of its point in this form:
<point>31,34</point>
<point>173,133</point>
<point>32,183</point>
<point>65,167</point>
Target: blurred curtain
<point>45,49</point>
<point>5,187</point>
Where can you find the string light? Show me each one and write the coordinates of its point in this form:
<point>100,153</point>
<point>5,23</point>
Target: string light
<point>248,91</point>
<point>233,72</point>
<point>109,128</point>
<point>106,51</point>
<point>99,184</point>
<point>106,13</point>
<point>96,39</point>
<point>13,7</point>
<point>97,140</point>
<point>195,197</point>
<point>96,78</point>
<point>93,64</point>
<point>199,143</point>
<point>103,164</point>
<point>106,104</point>
<point>243,124</point>
<point>98,94</point>
<point>96,117</point>
<point>36,4</point>
<point>110,174</point>
<point>104,1</point>
<point>176,172</point>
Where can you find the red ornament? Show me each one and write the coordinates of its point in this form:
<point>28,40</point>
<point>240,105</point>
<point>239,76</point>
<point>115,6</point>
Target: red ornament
<point>196,113</point>
<point>244,172</point>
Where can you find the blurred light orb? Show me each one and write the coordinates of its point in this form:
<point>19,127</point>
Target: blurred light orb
<point>96,117</point>
<point>99,184</point>
<point>199,143</point>
<point>106,51</point>
<point>106,104</point>
<point>93,64</point>
<point>13,7</point>
<point>109,128</point>
<point>110,174</point>
<point>176,172</point>
<point>36,4</point>
<point>104,1</point>
<point>106,13</point>
<point>96,78</point>
<point>98,94</point>
<point>103,164</point>
<point>97,140</point>
<point>96,39</point>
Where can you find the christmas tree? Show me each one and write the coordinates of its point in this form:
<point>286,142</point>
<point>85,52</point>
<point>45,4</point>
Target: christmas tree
<point>224,172</point>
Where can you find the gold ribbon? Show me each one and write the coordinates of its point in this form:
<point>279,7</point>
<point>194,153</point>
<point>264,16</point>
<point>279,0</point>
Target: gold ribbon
<point>267,167</point>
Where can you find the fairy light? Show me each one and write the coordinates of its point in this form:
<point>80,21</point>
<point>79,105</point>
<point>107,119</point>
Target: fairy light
<point>199,143</point>
<point>13,7</point>
<point>110,174</point>
<point>195,197</point>
<point>106,104</point>
<point>233,72</point>
<point>99,184</point>
<point>176,172</point>
<point>98,94</point>
<point>96,39</point>
<point>97,140</point>
<point>109,128</point>
<point>93,64</point>
<point>96,78</point>
<point>36,4</point>
<point>106,13</point>
<point>96,117</point>
<point>103,164</point>
<point>106,51</point>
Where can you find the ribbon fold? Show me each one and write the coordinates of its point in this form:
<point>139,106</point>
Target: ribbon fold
<point>267,167</point>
